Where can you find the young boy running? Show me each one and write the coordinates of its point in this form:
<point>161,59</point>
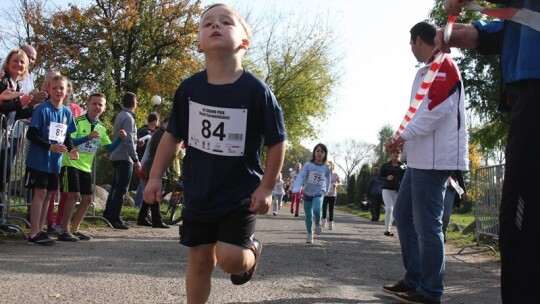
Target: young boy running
<point>76,174</point>
<point>222,114</point>
<point>51,122</point>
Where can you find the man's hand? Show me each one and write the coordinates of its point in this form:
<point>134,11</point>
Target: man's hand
<point>38,96</point>
<point>261,200</point>
<point>396,144</point>
<point>122,133</point>
<point>152,191</point>
<point>463,36</point>
<point>137,166</point>
<point>454,7</point>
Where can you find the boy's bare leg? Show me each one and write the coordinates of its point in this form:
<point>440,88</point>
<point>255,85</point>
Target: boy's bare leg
<point>44,209</point>
<point>81,212</point>
<point>201,264</point>
<point>35,210</point>
<point>68,210</point>
<point>234,259</point>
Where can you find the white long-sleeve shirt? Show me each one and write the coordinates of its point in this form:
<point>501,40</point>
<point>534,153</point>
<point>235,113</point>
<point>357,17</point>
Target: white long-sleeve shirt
<point>315,178</point>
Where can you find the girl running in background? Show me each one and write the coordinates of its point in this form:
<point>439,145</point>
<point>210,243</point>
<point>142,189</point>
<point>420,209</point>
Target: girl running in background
<point>315,175</point>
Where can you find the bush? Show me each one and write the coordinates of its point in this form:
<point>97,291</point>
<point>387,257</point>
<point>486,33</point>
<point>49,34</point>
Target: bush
<point>342,199</point>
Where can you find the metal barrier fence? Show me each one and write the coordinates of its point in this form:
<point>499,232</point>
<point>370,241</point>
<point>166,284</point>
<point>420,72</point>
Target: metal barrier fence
<point>488,184</point>
<point>14,148</point>
<point>14,151</point>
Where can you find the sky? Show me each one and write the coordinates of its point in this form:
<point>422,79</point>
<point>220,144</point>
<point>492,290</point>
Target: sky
<point>378,66</point>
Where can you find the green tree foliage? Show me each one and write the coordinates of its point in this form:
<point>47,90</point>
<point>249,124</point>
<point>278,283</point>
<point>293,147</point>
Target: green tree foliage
<point>294,56</point>
<point>362,181</point>
<point>351,189</point>
<point>293,156</point>
<point>482,80</point>
<point>381,155</point>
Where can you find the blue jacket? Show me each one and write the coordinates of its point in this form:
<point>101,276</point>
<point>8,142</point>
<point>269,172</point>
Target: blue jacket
<point>517,44</point>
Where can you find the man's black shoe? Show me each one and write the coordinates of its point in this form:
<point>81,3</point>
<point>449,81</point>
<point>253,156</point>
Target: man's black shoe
<point>399,287</point>
<point>413,297</point>
<point>144,222</point>
<point>160,225</point>
<point>119,225</point>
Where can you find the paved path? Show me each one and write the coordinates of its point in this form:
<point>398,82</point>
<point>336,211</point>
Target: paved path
<point>143,265</point>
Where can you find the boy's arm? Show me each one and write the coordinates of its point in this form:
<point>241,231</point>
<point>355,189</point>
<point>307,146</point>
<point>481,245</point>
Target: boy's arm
<point>121,135</point>
<point>261,199</point>
<point>166,151</point>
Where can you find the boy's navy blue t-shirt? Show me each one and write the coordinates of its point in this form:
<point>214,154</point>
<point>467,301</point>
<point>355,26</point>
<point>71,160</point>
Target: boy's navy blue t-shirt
<point>223,127</point>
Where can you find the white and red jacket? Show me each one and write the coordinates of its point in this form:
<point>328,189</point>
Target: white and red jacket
<point>436,138</point>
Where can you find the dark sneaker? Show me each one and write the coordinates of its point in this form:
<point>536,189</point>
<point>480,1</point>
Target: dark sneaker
<point>413,297</point>
<point>67,237</point>
<point>399,287</point>
<point>236,279</point>
<point>388,233</point>
<point>82,236</point>
<point>40,239</point>
<point>53,229</point>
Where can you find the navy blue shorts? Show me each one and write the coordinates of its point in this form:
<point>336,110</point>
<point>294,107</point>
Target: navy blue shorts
<point>236,227</point>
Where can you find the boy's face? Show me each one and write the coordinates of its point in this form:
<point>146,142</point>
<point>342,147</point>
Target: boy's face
<point>57,90</point>
<point>220,29</point>
<point>96,106</point>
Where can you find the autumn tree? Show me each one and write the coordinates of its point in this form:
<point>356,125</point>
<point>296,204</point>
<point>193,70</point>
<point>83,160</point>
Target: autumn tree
<point>148,46</point>
<point>143,46</point>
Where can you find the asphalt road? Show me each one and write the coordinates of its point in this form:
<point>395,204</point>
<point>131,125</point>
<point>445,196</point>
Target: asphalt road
<point>349,264</point>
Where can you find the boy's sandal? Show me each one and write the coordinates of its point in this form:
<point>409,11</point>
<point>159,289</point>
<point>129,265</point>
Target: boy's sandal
<point>239,279</point>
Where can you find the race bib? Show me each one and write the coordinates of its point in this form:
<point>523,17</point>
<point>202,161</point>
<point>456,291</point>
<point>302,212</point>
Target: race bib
<point>220,131</point>
<point>316,178</point>
<point>57,132</point>
<point>90,146</point>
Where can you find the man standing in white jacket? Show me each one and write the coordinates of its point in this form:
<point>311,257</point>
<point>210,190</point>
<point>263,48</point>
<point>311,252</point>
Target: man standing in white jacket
<point>436,144</point>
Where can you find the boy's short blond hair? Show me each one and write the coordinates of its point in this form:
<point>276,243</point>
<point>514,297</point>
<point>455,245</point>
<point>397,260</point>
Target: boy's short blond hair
<point>58,78</point>
<point>245,25</point>
<point>48,76</point>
